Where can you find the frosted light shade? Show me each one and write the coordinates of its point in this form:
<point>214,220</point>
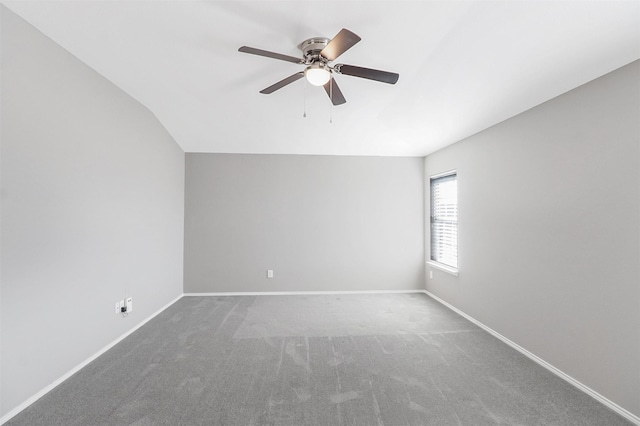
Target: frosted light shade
<point>318,76</point>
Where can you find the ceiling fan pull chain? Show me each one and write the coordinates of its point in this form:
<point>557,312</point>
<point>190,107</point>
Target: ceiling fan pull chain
<point>304,101</point>
<point>331,98</point>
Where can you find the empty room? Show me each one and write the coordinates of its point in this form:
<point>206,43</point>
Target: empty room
<point>319,212</point>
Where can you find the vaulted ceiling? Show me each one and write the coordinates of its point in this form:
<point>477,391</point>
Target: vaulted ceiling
<point>464,65</point>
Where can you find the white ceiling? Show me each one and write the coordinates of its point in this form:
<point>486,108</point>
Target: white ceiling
<point>464,65</point>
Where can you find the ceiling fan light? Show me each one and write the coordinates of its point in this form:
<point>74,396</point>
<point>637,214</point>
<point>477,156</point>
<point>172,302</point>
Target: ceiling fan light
<point>317,75</point>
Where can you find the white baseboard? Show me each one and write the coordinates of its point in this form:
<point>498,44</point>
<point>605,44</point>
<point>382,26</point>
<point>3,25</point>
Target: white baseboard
<point>586,389</point>
<point>302,293</point>
<point>78,367</point>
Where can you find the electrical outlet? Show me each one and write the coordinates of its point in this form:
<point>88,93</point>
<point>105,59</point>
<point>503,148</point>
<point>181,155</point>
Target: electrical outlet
<point>119,306</point>
<point>129,304</point>
<point>270,273</point>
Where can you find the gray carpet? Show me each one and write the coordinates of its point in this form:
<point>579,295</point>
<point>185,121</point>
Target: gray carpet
<point>397,359</point>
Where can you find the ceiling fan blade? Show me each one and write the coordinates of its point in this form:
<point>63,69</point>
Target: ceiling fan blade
<point>377,75</point>
<point>282,83</point>
<point>260,52</point>
<point>334,92</point>
<point>342,42</point>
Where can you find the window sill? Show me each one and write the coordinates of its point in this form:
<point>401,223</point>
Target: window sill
<point>442,267</point>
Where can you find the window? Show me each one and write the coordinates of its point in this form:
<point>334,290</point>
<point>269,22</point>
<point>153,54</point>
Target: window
<point>444,219</point>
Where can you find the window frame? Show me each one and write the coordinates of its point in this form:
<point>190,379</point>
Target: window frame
<point>432,262</point>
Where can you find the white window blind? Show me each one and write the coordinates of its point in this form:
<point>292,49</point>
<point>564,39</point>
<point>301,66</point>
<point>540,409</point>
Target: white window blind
<point>444,220</point>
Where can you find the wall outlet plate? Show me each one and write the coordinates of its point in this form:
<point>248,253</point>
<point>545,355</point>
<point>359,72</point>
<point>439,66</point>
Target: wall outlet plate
<point>269,273</point>
<point>119,305</point>
<point>129,304</point>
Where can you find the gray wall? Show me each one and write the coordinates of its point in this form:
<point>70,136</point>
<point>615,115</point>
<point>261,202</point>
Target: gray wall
<point>321,223</point>
<point>549,240</point>
<point>92,205</point>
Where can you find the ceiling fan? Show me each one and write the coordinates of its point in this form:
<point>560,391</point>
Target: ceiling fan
<point>317,53</point>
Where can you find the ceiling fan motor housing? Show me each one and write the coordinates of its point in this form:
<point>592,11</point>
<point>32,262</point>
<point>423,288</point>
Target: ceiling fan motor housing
<point>311,49</point>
